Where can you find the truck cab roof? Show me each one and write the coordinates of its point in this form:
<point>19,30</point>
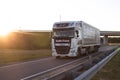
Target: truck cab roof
<point>67,24</point>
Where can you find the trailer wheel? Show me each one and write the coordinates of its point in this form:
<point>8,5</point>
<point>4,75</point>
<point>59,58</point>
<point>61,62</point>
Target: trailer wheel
<point>87,51</point>
<point>96,48</point>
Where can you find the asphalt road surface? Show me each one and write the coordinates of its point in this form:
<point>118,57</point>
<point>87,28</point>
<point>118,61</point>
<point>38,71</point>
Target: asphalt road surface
<point>21,70</point>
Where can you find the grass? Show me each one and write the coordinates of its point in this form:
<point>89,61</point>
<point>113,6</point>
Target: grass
<point>111,71</point>
<point>24,46</point>
<point>12,56</point>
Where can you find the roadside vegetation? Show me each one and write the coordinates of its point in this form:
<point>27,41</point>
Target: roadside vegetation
<point>24,46</point>
<point>111,71</point>
<point>26,41</point>
<point>112,40</point>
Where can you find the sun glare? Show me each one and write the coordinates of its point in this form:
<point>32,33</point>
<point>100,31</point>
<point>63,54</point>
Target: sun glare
<point>5,32</point>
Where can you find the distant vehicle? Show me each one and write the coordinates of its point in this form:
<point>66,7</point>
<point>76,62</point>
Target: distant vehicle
<point>74,38</point>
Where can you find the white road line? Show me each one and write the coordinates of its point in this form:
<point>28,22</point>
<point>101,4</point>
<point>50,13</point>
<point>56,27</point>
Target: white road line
<point>21,63</point>
<point>51,69</point>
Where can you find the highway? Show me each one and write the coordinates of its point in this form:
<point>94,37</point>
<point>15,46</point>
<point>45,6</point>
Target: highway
<point>21,70</point>
<point>18,71</point>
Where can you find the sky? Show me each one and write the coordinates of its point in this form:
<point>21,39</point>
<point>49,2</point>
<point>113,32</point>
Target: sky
<point>41,14</point>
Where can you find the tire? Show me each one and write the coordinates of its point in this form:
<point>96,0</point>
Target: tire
<point>87,51</point>
<point>57,57</point>
<point>96,48</point>
<point>78,52</point>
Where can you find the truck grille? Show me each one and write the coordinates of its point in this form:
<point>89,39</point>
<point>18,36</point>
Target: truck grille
<point>62,49</point>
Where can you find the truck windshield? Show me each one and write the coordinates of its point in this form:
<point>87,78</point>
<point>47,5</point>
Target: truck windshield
<point>63,33</point>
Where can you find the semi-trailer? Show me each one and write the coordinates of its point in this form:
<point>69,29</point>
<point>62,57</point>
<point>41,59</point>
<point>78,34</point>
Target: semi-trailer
<point>74,38</point>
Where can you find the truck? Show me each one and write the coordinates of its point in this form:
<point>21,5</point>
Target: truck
<point>74,38</point>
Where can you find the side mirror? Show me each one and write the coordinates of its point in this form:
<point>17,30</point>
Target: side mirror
<point>77,33</point>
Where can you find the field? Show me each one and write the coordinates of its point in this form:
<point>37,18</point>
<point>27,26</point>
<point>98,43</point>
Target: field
<point>24,46</point>
<point>26,40</point>
<point>13,56</point>
<point>111,71</point>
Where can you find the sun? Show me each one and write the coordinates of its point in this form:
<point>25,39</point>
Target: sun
<point>5,32</point>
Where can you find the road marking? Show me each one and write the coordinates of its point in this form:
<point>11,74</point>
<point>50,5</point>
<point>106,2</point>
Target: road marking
<point>21,63</point>
<point>50,69</point>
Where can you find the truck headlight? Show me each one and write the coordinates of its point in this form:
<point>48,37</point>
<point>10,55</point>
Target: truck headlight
<point>72,51</point>
<point>53,51</point>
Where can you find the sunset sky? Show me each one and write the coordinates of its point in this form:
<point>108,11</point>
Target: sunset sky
<point>41,14</point>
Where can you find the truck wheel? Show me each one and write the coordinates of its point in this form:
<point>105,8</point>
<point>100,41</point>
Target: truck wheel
<point>57,57</point>
<point>78,52</point>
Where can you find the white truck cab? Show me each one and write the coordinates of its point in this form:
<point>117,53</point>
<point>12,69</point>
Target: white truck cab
<point>68,38</point>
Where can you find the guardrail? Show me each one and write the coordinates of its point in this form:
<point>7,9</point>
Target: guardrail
<point>87,75</point>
